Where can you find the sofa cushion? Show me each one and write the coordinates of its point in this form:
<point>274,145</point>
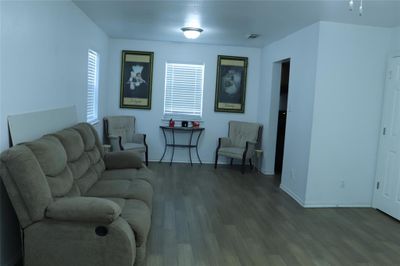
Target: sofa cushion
<point>83,155</point>
<point>87,180</point>
<point>129,174</point>
<point>122,159</point>
<point>72,142</point>
<point>87,136</point>
<point>138,216</point>
<point>127,189</point>
<point>26,184</point>
<point>52,158</point>
<point>50,153</point>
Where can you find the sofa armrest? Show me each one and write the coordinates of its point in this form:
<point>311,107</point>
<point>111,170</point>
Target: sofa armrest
<point>51,242</point>
<point>122,160</point>
<point>84,209</point>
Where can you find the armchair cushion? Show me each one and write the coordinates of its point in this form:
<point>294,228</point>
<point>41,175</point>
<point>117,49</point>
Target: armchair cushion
<point>122,160</point>
<point>240,132</point>
<point>123,126</point>
<point>84,209</point>
<point>134,147</point>
<point>232,152</point>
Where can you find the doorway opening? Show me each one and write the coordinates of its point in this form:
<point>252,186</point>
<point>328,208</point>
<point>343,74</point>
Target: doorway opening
<point>281,127</point>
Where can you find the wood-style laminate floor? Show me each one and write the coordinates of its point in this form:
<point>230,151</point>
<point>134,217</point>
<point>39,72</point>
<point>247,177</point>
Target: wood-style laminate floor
<point>203,216</point>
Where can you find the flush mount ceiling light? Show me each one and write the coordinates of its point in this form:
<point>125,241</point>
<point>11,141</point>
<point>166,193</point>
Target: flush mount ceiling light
<point>191,32</point>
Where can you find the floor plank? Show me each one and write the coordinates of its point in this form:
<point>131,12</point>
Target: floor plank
<point>203,216</point>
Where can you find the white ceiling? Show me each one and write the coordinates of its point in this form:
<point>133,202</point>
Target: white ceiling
<point>228,22</point>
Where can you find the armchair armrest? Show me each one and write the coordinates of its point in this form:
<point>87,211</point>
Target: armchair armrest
<point>139,138</point>
<point>225,142</point>
<point>250,148</point>
<point>84,209</point>
<point>122,160</point>
<point>115,142</point>
<point>251,142</point>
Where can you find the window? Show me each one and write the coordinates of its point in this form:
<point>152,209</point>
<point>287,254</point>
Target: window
<point>183,91</point>
<point>92,104</point>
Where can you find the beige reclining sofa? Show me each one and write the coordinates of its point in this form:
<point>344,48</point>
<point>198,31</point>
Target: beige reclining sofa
<point>76,205</point>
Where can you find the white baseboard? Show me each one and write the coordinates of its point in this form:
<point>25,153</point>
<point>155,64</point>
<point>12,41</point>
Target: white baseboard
<point>336,205</point>
<point>292,194</point>
<point>265,172</point>
<point>183,161</point>
<point>323,204</point>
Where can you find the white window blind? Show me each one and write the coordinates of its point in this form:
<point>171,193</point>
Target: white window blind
<point>93,88</point>
<point>183,91</point>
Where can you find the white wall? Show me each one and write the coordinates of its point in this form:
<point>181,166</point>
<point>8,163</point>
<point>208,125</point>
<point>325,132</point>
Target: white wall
<point>45,54</point>
<point>44,65</point>
<point>395,41</point>
<point>148,121</point>
<point>347,112</point>
<point>301,48</point>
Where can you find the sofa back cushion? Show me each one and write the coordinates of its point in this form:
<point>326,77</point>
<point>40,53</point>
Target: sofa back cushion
<point>84,155</point>
<point>52,158</point>
<point>26,184</point>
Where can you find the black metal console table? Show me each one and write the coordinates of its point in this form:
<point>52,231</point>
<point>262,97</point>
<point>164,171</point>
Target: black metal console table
<point>190,146</point>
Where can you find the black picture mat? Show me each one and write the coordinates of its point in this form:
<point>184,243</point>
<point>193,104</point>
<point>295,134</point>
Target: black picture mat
<point>226,77</point>
<point>142,91</point>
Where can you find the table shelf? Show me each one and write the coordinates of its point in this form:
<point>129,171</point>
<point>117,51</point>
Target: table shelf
<point>190,145</point>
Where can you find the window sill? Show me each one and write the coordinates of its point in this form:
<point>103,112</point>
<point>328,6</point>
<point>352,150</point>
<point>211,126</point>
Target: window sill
<point>94,122</point>
<point>179,119</point>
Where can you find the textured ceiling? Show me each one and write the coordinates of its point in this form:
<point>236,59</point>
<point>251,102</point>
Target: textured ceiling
<point>229,22</point>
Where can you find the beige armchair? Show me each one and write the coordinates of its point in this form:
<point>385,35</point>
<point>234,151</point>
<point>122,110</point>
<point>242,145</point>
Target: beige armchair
<point>242,141</point>
<point>120,133</point>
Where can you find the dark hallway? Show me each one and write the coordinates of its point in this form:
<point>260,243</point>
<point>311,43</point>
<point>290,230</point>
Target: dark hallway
<point>283,99</point>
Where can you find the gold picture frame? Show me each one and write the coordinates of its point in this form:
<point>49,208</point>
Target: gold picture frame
<point>136,79</point>
<point>230,92</point>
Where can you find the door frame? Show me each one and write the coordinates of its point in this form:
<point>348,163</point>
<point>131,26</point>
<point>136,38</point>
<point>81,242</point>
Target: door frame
<point>275,98</point>
<point>377,178</point>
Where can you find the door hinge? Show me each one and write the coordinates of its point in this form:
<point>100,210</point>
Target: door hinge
<point>384,131</point>
<point>377,185</point>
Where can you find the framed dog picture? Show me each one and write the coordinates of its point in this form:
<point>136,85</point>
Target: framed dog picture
<point>136,79</point>
<point>230,92</point>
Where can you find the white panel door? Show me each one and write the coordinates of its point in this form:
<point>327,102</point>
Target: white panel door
<point>387,190</point>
